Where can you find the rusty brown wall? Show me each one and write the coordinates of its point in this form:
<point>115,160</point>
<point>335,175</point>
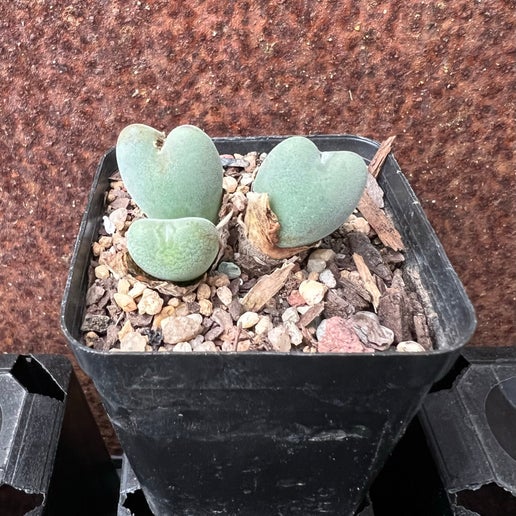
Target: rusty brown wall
<point>439,74</point>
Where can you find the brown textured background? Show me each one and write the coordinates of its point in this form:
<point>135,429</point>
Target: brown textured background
<point>440,75</point>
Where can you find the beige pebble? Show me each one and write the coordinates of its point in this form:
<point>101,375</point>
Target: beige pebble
<point>103,243</point>
<point>182,347</point>
<point>300,275</point>
<point>182,309</point>
<point>123,286</point>
<point>326,255</point>
<point>229,184</point>
<point>125,302</point>
<point>174,301</point>
<point>125,330</point>
<point>137,289</point>
<point>248,319</point>
<point>225,295</point>
<point>295,334</point>
<point>263,325</point>
<point>218,280</point>
<point>204,347</point>
<point>279,339</point>
<point>189,298</point>
<point>133,341</point>
<point>227,346</point>
<point>312,291</point>
<point>203,291</point>
<point>102,272</point>
<point>150,302</point>
<point>243,345</point>
<point>410,346</point>
<point>205,307</point>
<point>179,329</point>
<point>222,318</point>
<point>167,311</point>
<point>91,338</point>
<point>355,223</point>
<point>239,201</point>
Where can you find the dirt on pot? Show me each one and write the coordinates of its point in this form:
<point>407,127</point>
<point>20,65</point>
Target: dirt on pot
<point>347,294</point>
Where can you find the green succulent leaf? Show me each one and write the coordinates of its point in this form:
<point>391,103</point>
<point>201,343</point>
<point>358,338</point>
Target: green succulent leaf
<point>175,249</point>
<point>173,177</point>
<point>311,192</point>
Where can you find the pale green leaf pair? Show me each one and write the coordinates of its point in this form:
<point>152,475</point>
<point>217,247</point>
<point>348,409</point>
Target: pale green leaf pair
<point>177,182</point>
<point>312,193</point>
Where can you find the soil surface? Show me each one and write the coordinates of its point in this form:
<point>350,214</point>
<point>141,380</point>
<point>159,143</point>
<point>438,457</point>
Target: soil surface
<point>346,294</point>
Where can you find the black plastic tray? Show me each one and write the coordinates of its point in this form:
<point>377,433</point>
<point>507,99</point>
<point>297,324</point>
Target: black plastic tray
<point>471,430</point>
<point>270,433</point>
<point>52,458</point>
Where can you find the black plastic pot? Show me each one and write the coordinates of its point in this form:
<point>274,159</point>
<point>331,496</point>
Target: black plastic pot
<point>270,433</point>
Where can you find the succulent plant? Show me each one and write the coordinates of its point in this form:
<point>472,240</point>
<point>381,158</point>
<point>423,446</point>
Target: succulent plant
<point>311,193</point>
<point>172,177</point>
<point>174,249</point>
<point>177,183</point>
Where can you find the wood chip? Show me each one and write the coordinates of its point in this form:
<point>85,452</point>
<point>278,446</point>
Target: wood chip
<point>376,217</point>
<point>361,244</point>
<point>379,221</point>
<point>313,312</point>
<point>368,279</point>
<point>379,158</point>
<point>266,287</point>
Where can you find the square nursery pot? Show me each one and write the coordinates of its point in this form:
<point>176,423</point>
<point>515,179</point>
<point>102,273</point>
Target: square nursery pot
<point>270,433</point>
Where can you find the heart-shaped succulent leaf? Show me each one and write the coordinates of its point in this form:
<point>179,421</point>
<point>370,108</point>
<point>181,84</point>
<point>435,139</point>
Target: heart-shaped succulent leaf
<point>173,250</point>
<point>173,177</point>
<point>312,193</point>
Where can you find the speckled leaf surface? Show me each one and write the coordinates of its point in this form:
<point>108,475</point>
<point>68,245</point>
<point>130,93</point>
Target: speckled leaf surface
<point>311,192</point>
<point>173,177</point>
<point>174,250</point>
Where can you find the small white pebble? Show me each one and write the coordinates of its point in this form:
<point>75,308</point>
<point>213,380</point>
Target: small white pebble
<point>327,277</point>
<point>204,347</point>
<point>195,317</point>
<point>133,341</point>
<point>229,184</point>
<point>248,319</point>
<point>263,325</point>
<point>409,346</point>
<point>225,295</point>
<point>312,291</point>
<point>290,315</point>
<point>182,347</point>
<point>150,302</point>
<point>102,272</point>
